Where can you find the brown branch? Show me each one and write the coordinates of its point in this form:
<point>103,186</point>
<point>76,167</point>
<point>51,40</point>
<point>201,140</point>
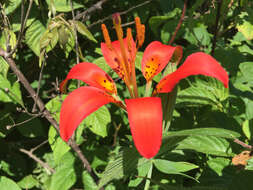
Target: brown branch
<point>179,23</point>
<point>38,146</point>
<point>237,141</point>
<point>121,13</point>
<point>8,127</point>
<point>97,6</point>
<point>23,24</point>
<point>216,27</point>
<point>75,31</point>
<point>43,164</point>
<point>39,83</point>
<point>44,111</point>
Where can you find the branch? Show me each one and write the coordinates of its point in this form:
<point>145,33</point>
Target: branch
<point>237,141</point>
<point>23,24</point>
<point>97,6</point>
<point>43,164</point>
<point>39,83</point>
<point>44,111</point>
<point>121,13</point>
<point>75,31</point>
<point>179,23</point>
<point>216,27</point>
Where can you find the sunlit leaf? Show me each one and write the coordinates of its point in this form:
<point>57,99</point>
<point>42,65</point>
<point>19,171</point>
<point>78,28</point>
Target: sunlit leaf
<point>8,184</point>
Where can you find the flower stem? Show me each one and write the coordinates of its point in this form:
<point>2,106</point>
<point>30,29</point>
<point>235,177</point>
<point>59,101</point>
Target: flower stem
<point>148,87</point>
<point>147,184</point>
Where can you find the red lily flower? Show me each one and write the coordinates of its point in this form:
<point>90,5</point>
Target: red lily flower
<point>145,114</point>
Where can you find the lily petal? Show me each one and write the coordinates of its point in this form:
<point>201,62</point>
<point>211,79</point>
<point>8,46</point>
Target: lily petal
<point>156,56</point>
<point>145,118</point>
<point>195,64</point>
<point>78,105</point>
<point>92,75</point>
<point>114,57</point>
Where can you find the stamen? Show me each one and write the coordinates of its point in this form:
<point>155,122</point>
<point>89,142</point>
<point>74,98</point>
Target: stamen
<point>140,30</point>
<point>116,19</point>
<point>129,39</point>
<point>142,37</point>
<point>106,36</point>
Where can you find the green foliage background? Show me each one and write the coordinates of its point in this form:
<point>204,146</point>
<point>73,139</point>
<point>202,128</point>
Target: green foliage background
<point>196,151</point>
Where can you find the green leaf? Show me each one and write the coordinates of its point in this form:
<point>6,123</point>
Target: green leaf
<point>64,177</point>
<point>32,128</point>
<point>249,108</point>
<point>8,184</point>
<point>249,165</point>
<point>246,28</point>
<point>247,69</point>
<point>4,67</point>
<point>246,128</point>
<point>49,39</point>
<point>142,171</point>
<point>82,29</point>
<point>98,121</point>
<point>216,132</point>
<point>88,181</point>
<point>156,21</point>
<point>33,35</point>
<point>28,182</point>
<point>54,106</point>
<point>102,64</point>
<point>206,144</point>
<point>58,146</point>
<point>12,6</point>
<point>66,39</point>
<point>218,172</point>
<point>10,92</point>
<point>170,167</point>
<point>5,35</point>
<point>121,164</point>
<point>63,5</point>
<point>201,92</point>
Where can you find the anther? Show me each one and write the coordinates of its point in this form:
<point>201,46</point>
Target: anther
<point>106,36</point>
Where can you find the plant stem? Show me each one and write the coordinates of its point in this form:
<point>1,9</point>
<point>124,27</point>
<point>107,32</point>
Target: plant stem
<point>216,26</point>
<point>179,23</point>
<point>147,184</point>
<point>148,87</point>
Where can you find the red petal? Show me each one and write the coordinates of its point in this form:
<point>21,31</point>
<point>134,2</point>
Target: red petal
<point>145,118</point>
<point>114,56</point>
<point>78,105</point>
<point>156,56</point>
<point>195,64</point>
<point>92,75</point>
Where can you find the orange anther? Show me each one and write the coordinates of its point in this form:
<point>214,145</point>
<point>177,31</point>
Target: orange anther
<point>140,30</point>
<point>129,38</point>
<point>106,36</point>
<point>142,37</point>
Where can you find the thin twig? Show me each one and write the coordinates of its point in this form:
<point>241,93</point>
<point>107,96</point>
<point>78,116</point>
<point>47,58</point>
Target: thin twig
<point>216,27</point>
<point>38,146</point>
<point>39,83</point>
<point>23,24</point>
<point>117,128</point>
<point>75,31</point>
<point>76,38</point>
<point>97,6</point>
<point>8,127</point>
<point>243,144</point>
<point>121,13</point>
<point>43,164</point>
<point>44,111</point>
<point>179,23</point>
